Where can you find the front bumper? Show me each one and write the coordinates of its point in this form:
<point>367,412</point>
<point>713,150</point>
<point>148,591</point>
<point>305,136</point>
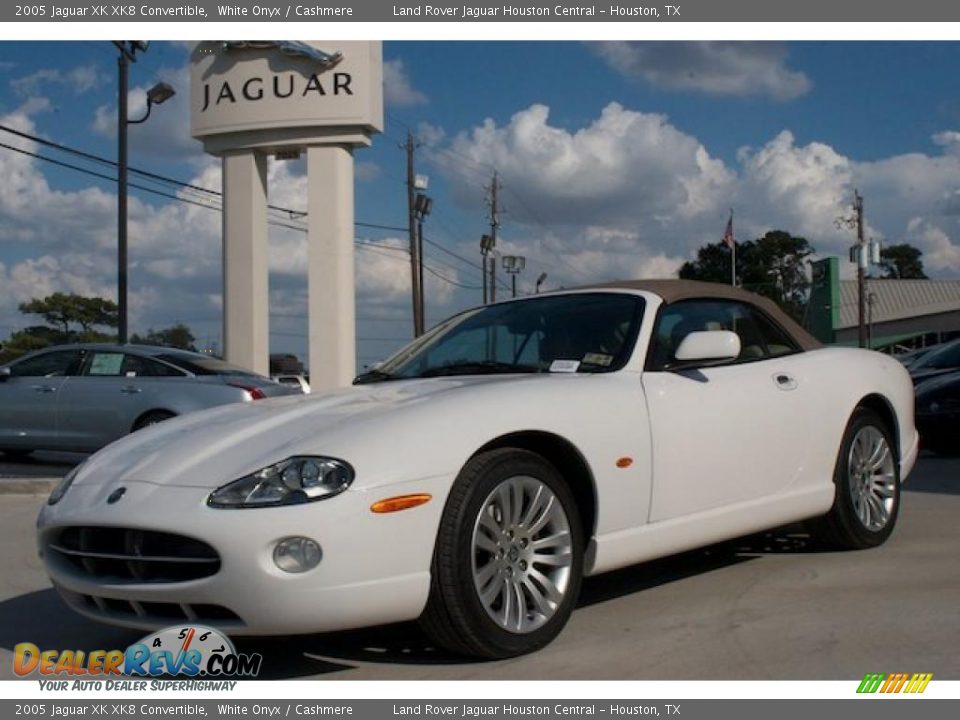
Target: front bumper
<point>375,568</point>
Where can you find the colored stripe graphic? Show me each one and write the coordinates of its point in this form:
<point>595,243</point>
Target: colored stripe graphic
<point>894,682</point>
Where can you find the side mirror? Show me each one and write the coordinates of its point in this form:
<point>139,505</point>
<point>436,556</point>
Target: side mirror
<point>5,373</point>
<point>708,345</point>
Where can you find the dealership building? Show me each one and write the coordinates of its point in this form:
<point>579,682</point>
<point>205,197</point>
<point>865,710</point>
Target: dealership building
<point>898,312</point>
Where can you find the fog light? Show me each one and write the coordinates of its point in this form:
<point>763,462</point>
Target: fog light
<point>297,554</point>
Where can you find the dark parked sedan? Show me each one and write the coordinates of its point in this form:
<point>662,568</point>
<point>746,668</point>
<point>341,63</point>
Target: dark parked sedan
<point>82,397</point>
<point>939,360</point>
<point>938,413</point>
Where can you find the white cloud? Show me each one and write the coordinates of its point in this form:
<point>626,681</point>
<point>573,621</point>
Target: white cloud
<point>630,195</point>
<point>940,252</point>
<point>626,166</point>
<point>948,138</point>
<point>715,68</point>
<point>79,80</point>
<point>398,89</point>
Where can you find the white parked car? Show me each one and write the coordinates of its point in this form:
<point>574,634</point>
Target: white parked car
<point>476,476</point>
<point>297,382</point>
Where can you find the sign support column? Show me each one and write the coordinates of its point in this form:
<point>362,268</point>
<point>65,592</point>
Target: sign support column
<point>331,304</point>
<point>246,314</point>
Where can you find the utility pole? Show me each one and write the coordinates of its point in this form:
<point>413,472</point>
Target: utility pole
<point>123,61</point>
<point>861,270</point>
<point>486,248</point>
<point>494,224</point>
<point>410,146</point>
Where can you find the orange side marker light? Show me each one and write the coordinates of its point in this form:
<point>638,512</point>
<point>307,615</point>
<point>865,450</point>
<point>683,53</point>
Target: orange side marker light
<point>401,502</point>
<point>624,462</point>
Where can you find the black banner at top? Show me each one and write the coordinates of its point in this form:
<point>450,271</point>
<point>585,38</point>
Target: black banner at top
<point>468,11</point>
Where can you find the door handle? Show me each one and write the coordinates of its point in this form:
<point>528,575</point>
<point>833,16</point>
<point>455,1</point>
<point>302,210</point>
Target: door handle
<point>44,388</point>
<point>784,381</point>
<point>130,390</point>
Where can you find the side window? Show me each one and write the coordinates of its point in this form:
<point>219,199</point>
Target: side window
<point>776,340</point>
<point>52,364</point>
<point>138,366</point>
<point>759,337</point>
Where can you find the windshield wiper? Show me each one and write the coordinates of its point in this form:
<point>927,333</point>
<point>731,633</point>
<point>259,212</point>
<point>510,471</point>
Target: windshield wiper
<point>373,375</point>
<point>481,367</point>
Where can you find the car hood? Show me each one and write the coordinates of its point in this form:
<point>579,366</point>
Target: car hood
<point>207,448</point>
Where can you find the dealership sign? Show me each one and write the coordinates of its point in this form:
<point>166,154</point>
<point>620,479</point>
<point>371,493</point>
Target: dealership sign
<point>251,100</point>
<point>304,88</point>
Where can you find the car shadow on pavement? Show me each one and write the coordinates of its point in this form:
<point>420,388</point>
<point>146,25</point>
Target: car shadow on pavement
<point>399,643</point>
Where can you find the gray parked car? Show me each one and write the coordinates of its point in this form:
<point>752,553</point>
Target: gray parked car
<point>82,397</point>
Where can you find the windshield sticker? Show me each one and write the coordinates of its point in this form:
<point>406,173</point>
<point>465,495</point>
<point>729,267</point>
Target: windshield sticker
<point>601,359</point>
<point>106,364</point>
<point>564,366</point>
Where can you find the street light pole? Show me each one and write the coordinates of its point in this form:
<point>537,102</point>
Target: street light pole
<point>159,93</point>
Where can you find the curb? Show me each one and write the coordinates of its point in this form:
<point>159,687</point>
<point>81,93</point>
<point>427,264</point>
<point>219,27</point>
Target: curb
<point>28,486</point>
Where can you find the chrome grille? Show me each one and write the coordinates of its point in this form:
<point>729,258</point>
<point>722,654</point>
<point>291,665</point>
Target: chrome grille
<point>127,555</point>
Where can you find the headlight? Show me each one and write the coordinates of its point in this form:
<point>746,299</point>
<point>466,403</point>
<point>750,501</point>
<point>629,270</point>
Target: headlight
<point>293,481</point>
<point>60,490</point>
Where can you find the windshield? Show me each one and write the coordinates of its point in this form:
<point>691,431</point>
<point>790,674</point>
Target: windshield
<point>590,332</point>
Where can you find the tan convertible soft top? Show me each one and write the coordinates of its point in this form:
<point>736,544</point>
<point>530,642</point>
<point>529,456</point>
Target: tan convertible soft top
<point>675,290</point>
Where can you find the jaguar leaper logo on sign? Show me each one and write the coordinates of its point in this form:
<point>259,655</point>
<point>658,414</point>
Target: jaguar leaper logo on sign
<point>894,682</point>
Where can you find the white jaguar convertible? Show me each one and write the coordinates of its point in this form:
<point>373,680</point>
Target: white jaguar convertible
<point>476,476</point>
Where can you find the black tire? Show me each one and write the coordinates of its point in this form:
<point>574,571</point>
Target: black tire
<point>845,526</point>
<point>456,617</point>
<point>152,418</point>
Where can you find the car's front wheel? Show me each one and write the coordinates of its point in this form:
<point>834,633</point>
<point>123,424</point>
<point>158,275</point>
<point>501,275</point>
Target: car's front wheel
<point>509,557</point>
<point>867,479</point>
<point>152,418</point>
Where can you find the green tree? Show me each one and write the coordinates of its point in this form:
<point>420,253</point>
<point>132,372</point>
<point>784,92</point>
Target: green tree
<point>902,261</point>
<point>175,336</point>
<point>62,311</point>
<point>27,340</point>
<point>772,265</point>
<point>70,318</point>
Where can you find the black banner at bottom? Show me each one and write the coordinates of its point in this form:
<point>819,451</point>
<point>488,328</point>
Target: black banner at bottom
<point>874,708</point>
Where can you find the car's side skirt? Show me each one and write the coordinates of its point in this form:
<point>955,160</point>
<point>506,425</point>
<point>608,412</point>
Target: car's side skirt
<point>659,539</point>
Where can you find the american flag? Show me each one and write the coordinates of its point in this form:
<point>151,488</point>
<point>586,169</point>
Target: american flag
<point>728,238</point>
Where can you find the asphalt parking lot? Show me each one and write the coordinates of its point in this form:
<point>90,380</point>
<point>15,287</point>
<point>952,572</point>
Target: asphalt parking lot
<point>765,607</point>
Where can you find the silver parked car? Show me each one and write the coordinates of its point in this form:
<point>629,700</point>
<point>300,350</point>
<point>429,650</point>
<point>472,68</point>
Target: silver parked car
<point>82,397</point>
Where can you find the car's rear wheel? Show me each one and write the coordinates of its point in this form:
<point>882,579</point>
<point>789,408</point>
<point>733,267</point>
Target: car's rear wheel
<point>509,558</point>
<point>152,418</point>
<point>867,480</point>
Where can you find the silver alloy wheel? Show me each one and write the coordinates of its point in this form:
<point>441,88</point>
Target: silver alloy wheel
<point>873,478</point>
<point>522,554</point>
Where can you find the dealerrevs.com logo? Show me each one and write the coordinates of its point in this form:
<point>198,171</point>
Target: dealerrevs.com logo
<point>193,651</point>
<point>894,682</point>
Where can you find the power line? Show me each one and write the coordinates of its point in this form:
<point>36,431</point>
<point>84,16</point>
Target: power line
<point>294,214</point>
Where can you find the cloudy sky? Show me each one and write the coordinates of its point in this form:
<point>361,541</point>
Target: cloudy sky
<point>616,160</point>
